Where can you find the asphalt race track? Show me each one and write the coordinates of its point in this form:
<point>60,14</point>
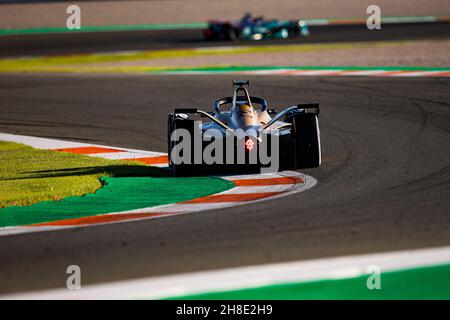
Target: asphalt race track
<point>383,185</point>
<point>70,43</point>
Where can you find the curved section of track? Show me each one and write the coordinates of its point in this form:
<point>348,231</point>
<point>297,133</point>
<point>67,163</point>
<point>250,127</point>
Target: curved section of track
<point>383,184</point>
<point>233,190</point>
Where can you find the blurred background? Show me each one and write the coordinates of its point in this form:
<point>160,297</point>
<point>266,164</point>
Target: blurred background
<point>27,14</point>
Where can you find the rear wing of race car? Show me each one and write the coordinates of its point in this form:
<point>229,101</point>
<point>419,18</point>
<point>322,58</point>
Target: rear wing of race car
<point>186,110</point>
<point>309,107</point>
<point>202,114</point>
<point>303,108</point>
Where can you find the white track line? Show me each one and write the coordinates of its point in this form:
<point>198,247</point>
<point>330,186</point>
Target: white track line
<point>260,189</point>
<point>364,73</point>
<point>51,144</point>
<point>247,277</point>
<point>127,155</point>
<point>416,74</point>
<point>324,72</point>
<point>40,143</point>
<point>179,208</point>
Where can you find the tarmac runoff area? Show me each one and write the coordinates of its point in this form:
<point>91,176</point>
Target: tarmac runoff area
<point>427,53</point>
<point>132,12</point>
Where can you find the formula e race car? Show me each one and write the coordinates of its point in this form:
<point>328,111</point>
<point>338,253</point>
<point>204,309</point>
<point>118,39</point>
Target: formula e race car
<point>245,136</point>
<point>255,28</point>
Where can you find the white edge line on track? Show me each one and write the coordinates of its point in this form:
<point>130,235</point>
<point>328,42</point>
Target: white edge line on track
<point>247,277</point>
<point>49,144</point>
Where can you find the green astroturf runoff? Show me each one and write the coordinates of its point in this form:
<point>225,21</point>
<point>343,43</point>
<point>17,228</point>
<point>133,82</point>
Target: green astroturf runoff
<point>430,282</point>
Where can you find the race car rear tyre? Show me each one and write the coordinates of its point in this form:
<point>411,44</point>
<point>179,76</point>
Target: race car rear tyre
<point>233,34</point>
<point>307,140</point>
<point>293,32</point>
<point>184,169</point>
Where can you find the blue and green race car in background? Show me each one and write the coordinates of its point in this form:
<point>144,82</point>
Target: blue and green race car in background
<point>255,28</point>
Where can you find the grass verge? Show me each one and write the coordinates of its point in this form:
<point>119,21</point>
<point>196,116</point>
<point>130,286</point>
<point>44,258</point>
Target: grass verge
<point>30,175</point>
<point>31,180</point>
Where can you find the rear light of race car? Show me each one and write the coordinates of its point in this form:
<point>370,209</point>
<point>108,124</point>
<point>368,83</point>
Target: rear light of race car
<point>249,143</point>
